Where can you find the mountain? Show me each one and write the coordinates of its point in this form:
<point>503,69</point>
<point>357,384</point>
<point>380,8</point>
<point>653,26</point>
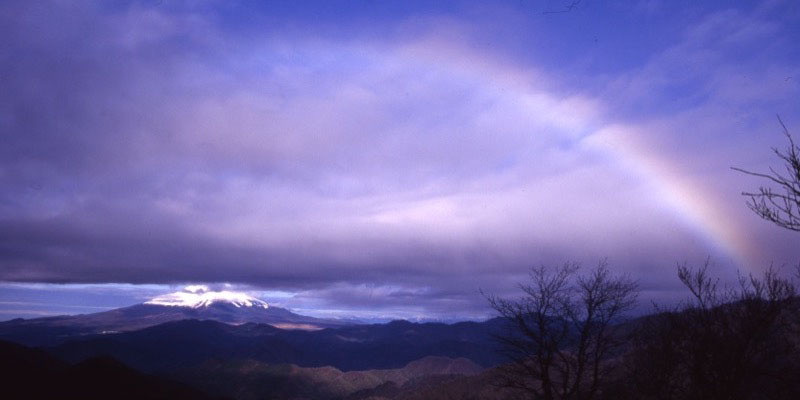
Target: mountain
<point>33,374</point>
<point>189,343</point>
<point>194,302</point>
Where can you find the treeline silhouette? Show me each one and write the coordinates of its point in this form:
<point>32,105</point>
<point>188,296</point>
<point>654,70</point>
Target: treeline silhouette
<point>726,343</point>
<point>566,338</point>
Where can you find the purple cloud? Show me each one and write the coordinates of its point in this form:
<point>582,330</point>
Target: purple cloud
<point>146,143</point>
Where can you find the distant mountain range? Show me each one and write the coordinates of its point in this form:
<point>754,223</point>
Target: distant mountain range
<point>186,328</point>
<point>232,345</point>
<point>194,302</point>
<point>133,352</point>
<point>188,343</point>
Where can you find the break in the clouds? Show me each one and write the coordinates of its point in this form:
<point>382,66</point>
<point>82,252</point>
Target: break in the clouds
<point>387,158</point>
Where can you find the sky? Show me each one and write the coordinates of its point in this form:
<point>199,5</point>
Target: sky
<point>383,159</point>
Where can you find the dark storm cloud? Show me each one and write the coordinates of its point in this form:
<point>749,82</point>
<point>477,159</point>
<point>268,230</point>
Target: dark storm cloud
<point>163,142</point>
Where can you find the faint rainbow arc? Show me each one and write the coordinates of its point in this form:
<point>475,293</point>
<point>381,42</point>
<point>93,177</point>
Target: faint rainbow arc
<point>687,198</point>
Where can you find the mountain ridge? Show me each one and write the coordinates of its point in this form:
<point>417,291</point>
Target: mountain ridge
<point>187,343</point>
<point>226,307</point>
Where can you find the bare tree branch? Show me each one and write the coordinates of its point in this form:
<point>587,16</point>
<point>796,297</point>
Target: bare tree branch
<point>781,207</point>
<point>559,334</point>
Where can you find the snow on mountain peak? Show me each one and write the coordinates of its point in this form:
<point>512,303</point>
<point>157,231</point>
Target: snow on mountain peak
<point>197,296</point>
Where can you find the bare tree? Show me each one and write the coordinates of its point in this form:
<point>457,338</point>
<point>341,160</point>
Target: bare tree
<point>559,334</point>
<point>780,206</point>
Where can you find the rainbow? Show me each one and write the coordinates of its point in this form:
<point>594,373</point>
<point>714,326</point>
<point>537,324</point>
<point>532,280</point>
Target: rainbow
<point>688,199</point>
<point>580,119</point>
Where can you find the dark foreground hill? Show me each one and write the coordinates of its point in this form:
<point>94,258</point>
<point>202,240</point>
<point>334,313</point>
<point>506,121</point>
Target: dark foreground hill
<point>189,343</point>
<point>247,380</point>
<point>33,374</point>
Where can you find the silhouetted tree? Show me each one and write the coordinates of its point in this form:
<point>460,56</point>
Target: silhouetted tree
<point>780,206</point>
<point>724,343</point>
<point>559,334</point>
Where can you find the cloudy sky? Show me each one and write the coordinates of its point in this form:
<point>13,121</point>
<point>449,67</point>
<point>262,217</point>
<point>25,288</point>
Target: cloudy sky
<point>382,159</point>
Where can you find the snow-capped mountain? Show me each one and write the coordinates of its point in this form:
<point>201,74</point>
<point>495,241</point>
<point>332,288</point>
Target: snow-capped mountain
<point>198,296</point>
<point>193,302</point>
